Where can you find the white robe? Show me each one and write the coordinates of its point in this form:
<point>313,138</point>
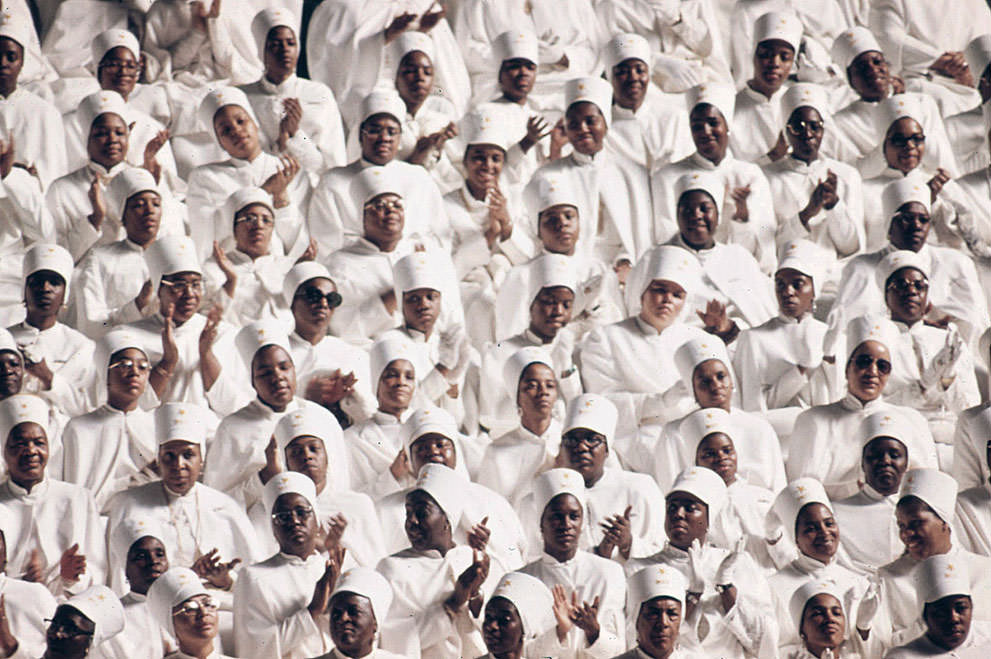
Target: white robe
<point>973,520</point>
<point>37,129</point>
<point>106,283</point>
<point>142,635</point>
<point>258,291</point>
<point>974,647</point>
<point>68,354</point>
<point>869,529</point>
<point>324,359</point>
<point>27,221</point>
<point>28,605</point>
<point>653,135</point>
<point>373,446</point>
<point>970,441</point>
<point>68,202</point>
<point>756,124</point>
<point>514,459</point>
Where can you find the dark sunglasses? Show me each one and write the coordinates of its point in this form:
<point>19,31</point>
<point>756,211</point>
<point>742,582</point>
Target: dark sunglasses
<point>864,362</point>
<point>315,296</point>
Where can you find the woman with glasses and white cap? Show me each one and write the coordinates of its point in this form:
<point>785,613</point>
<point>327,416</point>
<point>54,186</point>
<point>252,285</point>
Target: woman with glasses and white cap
<point>656,605</point>
<point>519,619</point>
<point>825,444</point>
<point>358,609</point>
<point>439,586</point>
<point>819,610</point>
<point>186,611</point>
<point>83,623</point>
<point>59,543</point>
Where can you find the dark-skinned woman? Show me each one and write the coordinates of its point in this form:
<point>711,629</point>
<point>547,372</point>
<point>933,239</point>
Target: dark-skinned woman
<point>656,605</point>
<point>519,619</point>
<point>83,623</point>
<point>358,609</point>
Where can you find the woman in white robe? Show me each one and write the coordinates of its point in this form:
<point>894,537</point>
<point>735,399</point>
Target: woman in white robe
<point>184,608</point>
<point>26,604</point>
<point>519,617</point>
<point>820,613</point>
<point>360,599</point>
<point>656,604</point>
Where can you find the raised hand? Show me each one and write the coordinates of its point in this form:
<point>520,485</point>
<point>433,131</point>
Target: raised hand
<point>324,587</point>
<point>585,616</point>
<point>289,124</point>
<point>398,25</point>
<point>478,536</point>
<point>96,200</point>
<point>155,145</point>
<point>224,263</point>
<point>429,20</point>
<point>34,571</point>
<point>937,182</point>
<point>216,572</point>
<point>714,318</point>
<point>563,611</point>
<point>739,197</point>
<point>278,183</point>
<point>334,532</point>
<point>617,533</point>
<point>72,564</point>
<point>696,574</point>
<point>537,129</point>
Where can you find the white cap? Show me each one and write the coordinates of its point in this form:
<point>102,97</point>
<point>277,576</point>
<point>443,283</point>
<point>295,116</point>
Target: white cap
<point>368,583</point>
<point>550,271</point>
<point>169,255</point>
<point>485,126</point>
<point>241,199</point>
<point>267,19</point>
<point>518,362</point>
<point>168,591</point>
<point>217,99</point>
<point>101,102</point>
<point>805,257</point>
<point>387,350</point>
<point>131,529</point>
<point>547,191</point>
<point>48,256</point>
<point>804,94</point>
<point>307,421</point>
<point>374,181</point>
<point>16,28</point>
<point>596,91</point>
<point>653,582</point>
<point>624,46</point>
<point>871,328</point>
<point>894,108</point>
<point>532,599</point>
<point>942,575</point>
<point>671,263</point>
<point>131,181</point>
<point>895,261</point>
<point>722,96</point>
<point>888,423</point>
<point>851,43</point>
<point>447,487</point>
<point>117,339</point>
<point>701,423</point>
<point>301,273</point>
<point>415,271</point>
<point>795,496</point>
<point>7,342</point>
<point>180,421</point>
<point>978,54</point>
<point>103,609</point>
<point>428,420</point>
<point>937,489</point>
<point>409,42</point>
<point>516,44</point>
<point>107,40</point>
<point>591,412</point>
<point>808,590</point>
<point>905,190</point>
<point>382,101</point>
<point>693,352</point>
<point>557,481</point>
<point>709,182</point>
<point>23,408</point>
<point>259,334</point>
<point>705,485</point>
<point>781,25</point>
<point>289,482</point>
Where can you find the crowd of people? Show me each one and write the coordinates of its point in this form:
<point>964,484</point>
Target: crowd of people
<point>510,329</point>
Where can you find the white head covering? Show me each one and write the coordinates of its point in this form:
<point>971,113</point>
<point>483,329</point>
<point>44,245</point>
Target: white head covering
<point>301,273</point>
<point>903,191</point>
<point>241,199</point>
<point>383,101</point>
<point>937,489</point>
<point>375,181</point>
<point>719,95</point>
<point>104,610</point>
<point>307,421</point>
<point>851,43</point>
<point>888,423</point>
<point>701,423</point>
<point>805,257</point>
<point>169,255</point>
<point>415,271</point>
<point>107,40</point>
<point>978,54</point>
<point>101,102</point>
<point>180,421</point>
<point>653,582</point>
<point>532,599</point>
<point>516,44</point>
<point>548,191</point>
<point>795,496</point>
<point>804,94</point>
<point>267,19</point>
<point>7,342</point>
<point>252,338</point>
<point>131,181</point>
<point>368,583</point>
<point>941,575</point>
<point>217,99</point>
<point>48,256</point>
<point>22,408</point>
<point>592,90</point>
<point>666,262</point>
<point>705,485</point>
<point>624,46</point>
<point>895,261</point>
<point>554,482</point>
<point>177,585</point>
<point>485,126</point>
<point>871,328</point>
<point>289,482</point>
<point>447,487</point>
<point>428,420</point>
<point>15,28</point>
<point>894,108</point>
<point>781,25</point>
<point>131,529</point>
<point>591,412</point>
<point>408,42</point>
<point>518,362</point>
<point>808,590</point>
<point>706,181</point>
<point>695,351</point>
<point>387,350</point>
<point>549,271</point>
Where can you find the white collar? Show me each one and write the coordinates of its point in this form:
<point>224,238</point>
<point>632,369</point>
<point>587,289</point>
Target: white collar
<point>284,87</point>
<point>36,492</point>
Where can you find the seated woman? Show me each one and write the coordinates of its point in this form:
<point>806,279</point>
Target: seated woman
<point>182,607</point>
<point>519,619</point>
<point>656,604</point>
<point>26,606</point>
<point>361,597</point>
<point>973,526</point>
<point>820,614</point>
<point>84,623</point>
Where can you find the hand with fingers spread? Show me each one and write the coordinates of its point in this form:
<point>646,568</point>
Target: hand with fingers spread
<point>72,564</point>
<point>585,617</point>
<point>563,611</point>
<point>559,137</point>
<point>824,196</point>
<point>715,319</point>
<point>499,212</point>
<point>739,197</point>
<point>779,149</point>
<point>334,531</point>
<point>869,605</point>
<point>277,184</point>
<point>98,203</point>
<point>209,334</point>
<point>478,536</point>
<point>429,19</point>
<point>398,25</point>
<point>537,129</point>
<point>616,533</point>
<point>224,263</point>
<point>155,145</point>
<point>324,587</point>
<point>214,571</point>
<point>330,389</point>
<point>467,587</point>
<point>6,156</point>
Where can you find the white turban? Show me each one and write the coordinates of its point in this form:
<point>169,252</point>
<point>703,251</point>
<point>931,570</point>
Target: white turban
<point>557,481</point>
<point>170,255</point>
<point>168,591</point>
<point>131,181</point>
<point>387,350</point>
<point>445,486</point>
<point>591,412</point>
<point>894,108</point>
<point>258,335</point>
<point>895,261</point>
<point>719,95</point>
<point>547,191</point>
<point>871,328</point>
<point>106,41</point>
<point>705,485</point>
<point>48,256</point>
<point>485,126</point>
<point>131,529</point>
<point>708,182</point>
<point>425,421</point>
<point>653,582</point>
<point>696,351</point>
<point>941,575</point>
<point>516,44</point>
<point>7,342</point>
<point>119,338</point>
<point>301,273</point>
<point>937,489</point>
<point>671,263</point>
<point>851,43</point>
<point>624,46</point>
<point>383,102</point>
<point>180,421</point>
<point>375,181</point>
<point>219,98</point>
<point>415,271</point>
<point>241,199</point>
<point>409,42</point>
<point>978,54</point>
<point>17,29</point>
<point>592,90</point>
<point>701,423</point>
<point>307,421</point>
<point>804,94</point>
<point>808,590</point>
<point>98,103</point>
<point>903,191</point>
<point>22,408</point>
<point>551,271</point>
<point>805,257</point>
<point>268,19</point>
<point>795,496</point>
<point>532,599</point>
<point>779,25</point>
<point>518,362</point>
<point>366,582</point>
<point>289,482</point>
<point>103,608</point>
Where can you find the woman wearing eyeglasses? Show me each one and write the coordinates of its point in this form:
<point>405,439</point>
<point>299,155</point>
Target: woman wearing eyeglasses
<point>180,604</point>
<point>825,443</point>
<point>82,624</point>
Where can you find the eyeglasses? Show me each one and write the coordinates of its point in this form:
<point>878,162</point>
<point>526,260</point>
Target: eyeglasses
<point>287,517</point>
<point>315,296</point>
<point>801,127</point>
<point>864,362</point>
<point>385,205</point>
<point>184,287</point>
<point>120,65</point>
<point>902,141</point>
<point>192,608</point>
<point>589,441</point>
<point>131,365</point>
<point>66,627</point>
<point>257,220</point>
<point>907,285</point>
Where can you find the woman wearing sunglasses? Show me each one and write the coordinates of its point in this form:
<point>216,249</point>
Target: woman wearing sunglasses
<point>825,444</point>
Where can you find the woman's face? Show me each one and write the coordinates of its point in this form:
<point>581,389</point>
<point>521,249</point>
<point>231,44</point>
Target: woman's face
<point>709,131</point>
<point>516,78</point>
<point>396,384</point>
<point>273,376</point>
<point>308,455</point>
<point>884,461</point>
<point>551,310</point>
<point>142,217</point>
<point>253,227</point>
<point>823,623</point>
<point>698,218</point>
<point>906,293</point>
<point>687,519</point>
<point>661,303</point>
<point>558,228</point>
<point>196,619</point>
<point>380,136</point>
<point>772,64</point>
<point>146,561</point>
<point>712,384</point>
<point>561,525</point>
<point>108,140</point>
<point>70,633</point>
<point>868,370</point>
<point>537,392</point>
<point>817,534</point>
<point>805,130</point>
<point>483,163</point>
<point>127,375</point>
<point>904,145</point>
<point>585,127</point>
<point>119,70</point>
<point>281,52</point>
<point>236,132</point>
<point>716,452</point>
<point>415,78</point>
<point>421,308</point>
<point>629,82</point>
<point>427,526</point>
<point>181,464</point>
<point>909,227</point>
<point>503,628</point>
<point>794,291</point>
<point>657,626</point>
<point>920,529</point>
